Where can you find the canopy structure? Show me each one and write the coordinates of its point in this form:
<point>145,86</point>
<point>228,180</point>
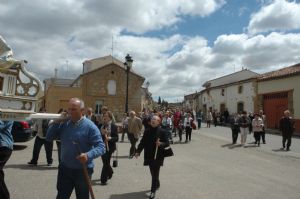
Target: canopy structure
<point>19,89</point>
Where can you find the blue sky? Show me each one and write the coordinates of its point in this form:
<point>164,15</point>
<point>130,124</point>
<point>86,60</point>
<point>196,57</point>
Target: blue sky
<point>176,45</point>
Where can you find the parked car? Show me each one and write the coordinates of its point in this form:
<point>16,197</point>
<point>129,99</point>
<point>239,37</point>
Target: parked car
<point>22,131</point>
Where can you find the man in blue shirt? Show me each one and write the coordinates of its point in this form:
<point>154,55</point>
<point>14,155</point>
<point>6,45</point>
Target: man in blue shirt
<point>6,148</point>
<point>82,131</point>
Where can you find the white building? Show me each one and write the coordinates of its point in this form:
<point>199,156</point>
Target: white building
<point>235,92</point>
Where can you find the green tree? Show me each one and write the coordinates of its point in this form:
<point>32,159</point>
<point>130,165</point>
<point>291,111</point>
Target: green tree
<point>159,100</point>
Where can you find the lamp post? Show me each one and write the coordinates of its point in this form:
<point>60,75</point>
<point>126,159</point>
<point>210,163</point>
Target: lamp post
<point>128,65</point>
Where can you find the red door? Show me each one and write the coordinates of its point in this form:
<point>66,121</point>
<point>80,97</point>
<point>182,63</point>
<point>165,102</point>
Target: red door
<point>274,106</point>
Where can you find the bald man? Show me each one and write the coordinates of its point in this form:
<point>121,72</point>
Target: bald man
<point>81,142</point>
<point>286,126</point>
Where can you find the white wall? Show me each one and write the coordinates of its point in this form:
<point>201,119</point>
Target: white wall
<point>231,97</point>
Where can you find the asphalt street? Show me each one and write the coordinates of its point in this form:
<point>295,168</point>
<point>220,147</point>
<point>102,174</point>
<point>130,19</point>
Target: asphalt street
<point>208,167</point>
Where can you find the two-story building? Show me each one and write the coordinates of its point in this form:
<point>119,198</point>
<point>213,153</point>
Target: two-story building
<point>102,83</point>
<point>235,92</point>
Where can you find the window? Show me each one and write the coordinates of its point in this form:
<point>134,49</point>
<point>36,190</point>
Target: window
<point>222,91</point>
<point>98,106</point>
<point>111,87</point>
<point>1,83</point>
<point>240,89</point>
<point>240,107</point>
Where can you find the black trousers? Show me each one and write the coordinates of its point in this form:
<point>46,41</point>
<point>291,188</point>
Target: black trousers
<point>124,131</point>
<point>154,170</point>
<point>263,135</point>
<point>38,143</point>
<point>257,136</point>
<point>235,134</point>
<point>133,141</point>
<point>107,170</point>
<point>5,154</point>
<point>180,133</point>
<point>286,140</point>
<point>188,133</point>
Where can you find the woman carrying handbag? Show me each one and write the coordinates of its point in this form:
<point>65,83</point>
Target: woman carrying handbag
<point>154,142</point>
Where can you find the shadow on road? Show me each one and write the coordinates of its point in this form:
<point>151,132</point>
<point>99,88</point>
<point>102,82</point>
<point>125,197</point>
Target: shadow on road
<point>122,156</point>
<point>133,195</point>
<point>19,147</point>
<point>279,150</point>
<point>30,167</point>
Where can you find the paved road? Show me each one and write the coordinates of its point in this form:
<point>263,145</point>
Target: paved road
<point>206,168</point>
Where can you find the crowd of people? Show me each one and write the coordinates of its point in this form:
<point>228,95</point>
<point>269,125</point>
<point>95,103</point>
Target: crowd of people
<point>81,137</point>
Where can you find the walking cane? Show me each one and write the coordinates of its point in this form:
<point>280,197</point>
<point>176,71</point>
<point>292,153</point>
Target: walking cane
<point>156,149</point>
<point>85,172</point>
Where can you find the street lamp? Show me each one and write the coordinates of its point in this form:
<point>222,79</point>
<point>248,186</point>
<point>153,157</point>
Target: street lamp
<point>128,65</point>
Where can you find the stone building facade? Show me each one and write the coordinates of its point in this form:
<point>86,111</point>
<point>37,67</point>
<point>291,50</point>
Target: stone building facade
<point>103,83</point>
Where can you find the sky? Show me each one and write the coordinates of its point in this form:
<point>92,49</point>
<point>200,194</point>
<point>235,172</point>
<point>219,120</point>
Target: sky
<point>177,45</point>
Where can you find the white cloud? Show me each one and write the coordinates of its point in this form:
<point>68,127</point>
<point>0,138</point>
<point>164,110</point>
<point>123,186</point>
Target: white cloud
<point>48,34</point>
<point>278,15</point>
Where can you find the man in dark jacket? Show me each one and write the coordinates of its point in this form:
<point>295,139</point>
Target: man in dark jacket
<point>286,126</point>
<point>153,142</point>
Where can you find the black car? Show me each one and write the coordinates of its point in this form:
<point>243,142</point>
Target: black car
<point>22,131</point>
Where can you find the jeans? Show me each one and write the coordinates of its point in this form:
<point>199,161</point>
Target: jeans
<point>199,123</point>
<point>5,154</point>
<point>58,144</point>
<point>38,143</point>
<point>68,179</point>
<point>133,141</point>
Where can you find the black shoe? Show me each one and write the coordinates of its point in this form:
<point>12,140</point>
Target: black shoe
<point>110,176</point>
<point>288,149</point>
<point>49,164</point>
<point>152,195</point>
<point>32,163</point>
<point>103,183</point>
<point>264,142</point>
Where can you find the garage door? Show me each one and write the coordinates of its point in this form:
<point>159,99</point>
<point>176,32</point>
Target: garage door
<point>274,106</point>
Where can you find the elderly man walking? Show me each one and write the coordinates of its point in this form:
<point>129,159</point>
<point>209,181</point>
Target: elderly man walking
<point>134,131</point>
<point>286,126</point>
<point>81,142</point>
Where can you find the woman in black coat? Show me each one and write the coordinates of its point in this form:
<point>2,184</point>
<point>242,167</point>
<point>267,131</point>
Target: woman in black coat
<point>154,137</point>
<point>110,136</point>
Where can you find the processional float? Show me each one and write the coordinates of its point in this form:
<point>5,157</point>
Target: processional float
<point>19,89</point>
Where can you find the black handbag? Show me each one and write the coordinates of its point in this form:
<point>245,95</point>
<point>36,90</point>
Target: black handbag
<point>115,158</point>
<point>168,152</point>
